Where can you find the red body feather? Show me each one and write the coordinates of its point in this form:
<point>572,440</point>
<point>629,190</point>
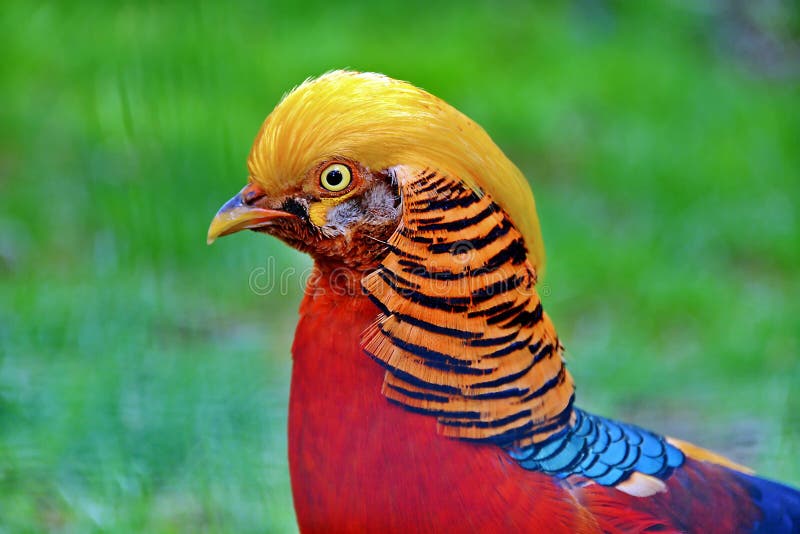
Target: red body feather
<point>366,465</point>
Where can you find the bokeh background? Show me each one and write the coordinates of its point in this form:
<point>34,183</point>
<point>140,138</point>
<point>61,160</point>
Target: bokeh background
<point>144,383</point>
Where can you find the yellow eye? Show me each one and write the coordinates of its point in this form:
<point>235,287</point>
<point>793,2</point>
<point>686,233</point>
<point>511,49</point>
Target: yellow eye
<point>335,177</point>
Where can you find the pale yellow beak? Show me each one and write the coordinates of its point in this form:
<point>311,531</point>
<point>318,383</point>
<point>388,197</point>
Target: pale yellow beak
<point>236,214</point>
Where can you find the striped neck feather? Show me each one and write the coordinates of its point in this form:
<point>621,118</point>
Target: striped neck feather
<point>462,333</point>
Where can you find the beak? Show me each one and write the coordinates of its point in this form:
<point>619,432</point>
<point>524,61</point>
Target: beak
<point>238,215</point>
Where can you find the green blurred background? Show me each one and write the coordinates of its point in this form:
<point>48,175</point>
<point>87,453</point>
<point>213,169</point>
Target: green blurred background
<point>143,384</point>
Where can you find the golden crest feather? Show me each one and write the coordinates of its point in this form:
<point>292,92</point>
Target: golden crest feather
<point>381,122</point>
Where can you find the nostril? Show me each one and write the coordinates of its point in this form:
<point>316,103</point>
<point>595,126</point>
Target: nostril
<point>252,194</point>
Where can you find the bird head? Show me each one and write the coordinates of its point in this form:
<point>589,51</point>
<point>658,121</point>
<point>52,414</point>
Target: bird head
<point>322,169</point>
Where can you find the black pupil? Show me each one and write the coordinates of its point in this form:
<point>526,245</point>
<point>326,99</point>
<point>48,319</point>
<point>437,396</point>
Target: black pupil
<point>335,177</point>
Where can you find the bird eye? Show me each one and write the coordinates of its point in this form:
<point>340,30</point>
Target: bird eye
<point>335,177</point>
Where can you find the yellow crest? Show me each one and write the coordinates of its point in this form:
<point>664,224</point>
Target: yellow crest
<point>381,122</point>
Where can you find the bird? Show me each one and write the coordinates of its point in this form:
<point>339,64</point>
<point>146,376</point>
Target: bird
<point>429,389</point>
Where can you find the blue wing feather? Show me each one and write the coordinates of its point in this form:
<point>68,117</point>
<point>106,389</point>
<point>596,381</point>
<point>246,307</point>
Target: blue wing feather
<point>600,449</point>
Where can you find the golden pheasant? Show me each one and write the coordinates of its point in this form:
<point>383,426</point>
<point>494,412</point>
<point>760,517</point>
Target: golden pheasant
<point>429,391</point>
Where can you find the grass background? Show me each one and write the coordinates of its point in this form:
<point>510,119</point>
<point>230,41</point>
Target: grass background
<point>143,384</point>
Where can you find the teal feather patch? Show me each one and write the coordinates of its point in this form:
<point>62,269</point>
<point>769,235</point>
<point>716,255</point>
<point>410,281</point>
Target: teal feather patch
<point>600,449</point>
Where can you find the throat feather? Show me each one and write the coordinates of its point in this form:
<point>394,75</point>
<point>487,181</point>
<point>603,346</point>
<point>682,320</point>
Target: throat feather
<point>462,333</point>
